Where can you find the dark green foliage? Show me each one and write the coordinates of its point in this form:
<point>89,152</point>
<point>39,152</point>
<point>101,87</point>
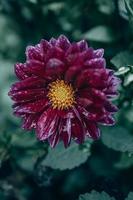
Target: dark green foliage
<point>29,169</point>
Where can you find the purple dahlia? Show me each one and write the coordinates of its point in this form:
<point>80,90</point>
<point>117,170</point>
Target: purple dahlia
<point>64,91</point>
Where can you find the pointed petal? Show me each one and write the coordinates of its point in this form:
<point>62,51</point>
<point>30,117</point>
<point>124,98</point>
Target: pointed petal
<point>82,45</point>
<point>66,128</point>
<point>110,107</point>
<point>30,121</point>
<point>54,68</point>
<point>63,42</point>
<point>33,107</point>
<point>27,95</point>
<point>47,124</point>
<point>78,131</point>
<point>53,41</point>
<point>66,131</point>
<point>96,63</point>
<point>93,130</point>
<point>35,67</point>
<point>73,49</point>
<point>71,73</point>
<point>20,71</point>
<point>93,114</point>
<point>85,102</point>
<point>34,53</point>
<point>96,78</point>
<point>31,82</point>
<point>107,120</point>
<point>45,46</point>
<point>98,53</point>
<point>54,139</point>
<point>88,54</point>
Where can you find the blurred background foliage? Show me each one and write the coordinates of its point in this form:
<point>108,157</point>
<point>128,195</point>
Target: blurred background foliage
<point>29,169</point>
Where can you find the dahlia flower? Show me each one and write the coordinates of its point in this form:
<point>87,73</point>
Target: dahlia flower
<point>64,91</point>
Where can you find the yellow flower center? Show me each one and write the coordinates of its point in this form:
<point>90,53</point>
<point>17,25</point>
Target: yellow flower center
<point>61,95</point>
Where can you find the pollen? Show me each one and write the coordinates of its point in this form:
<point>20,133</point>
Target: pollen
<point>61,95</point>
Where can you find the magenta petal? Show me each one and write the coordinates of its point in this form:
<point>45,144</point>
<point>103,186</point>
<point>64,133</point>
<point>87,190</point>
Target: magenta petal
<point>82,79</point>
<point>34,53</point>
<point>91,127</point>
<point>66,130</point>
<point>54,139</point>
<point>84,102</point>
<point>78,128</point>
<point>96,78</point>
<point>83,45</point>
<point>47,124</point>
<point>65,139</point>
<point>20,72</point>
<point>35,67</point>
<point>110,107</point>
<point>93,130</point>
<point>78,132</point>
<point>30,121</point>
<point>96,63</point>
<point>88,115</point>
<point>98,53</point>
<point>107,120</point>
<point>54,52</point>
<point>27,95</point>
<point>53,41</point>
<point>63,42</point>
<point>71,73</point>
<point>54,67</point>
<point>112,85</point>
<point>45,46</point>
<point>31,82</point>
<point>98,94</point>
<point>88,54</point>
<point>73,49</point>
<point>34,107</point>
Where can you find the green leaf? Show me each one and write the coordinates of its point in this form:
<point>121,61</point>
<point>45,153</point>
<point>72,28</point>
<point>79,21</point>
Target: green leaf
<point>29,147</point>
<point>7,68</point>
<point>122,59</point>
<point>57,6</point>
<point>24,140</point>
<point>105,6</point>
<point>118,139</point>
<point>125,161</point>
<point>122,71</point>
<point>130,196</point>
<point>28,158</point>
<point>129,6</point>
<point>61,158</point>
<point>129,115</point>
<point>94,195</point>
<point>3,154</point>
<point>9,37</point>
<point>122,9</point>
<point>101,34</point>
<point>128,79</point>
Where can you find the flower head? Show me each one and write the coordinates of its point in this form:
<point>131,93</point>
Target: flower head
<point>64,91</point>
